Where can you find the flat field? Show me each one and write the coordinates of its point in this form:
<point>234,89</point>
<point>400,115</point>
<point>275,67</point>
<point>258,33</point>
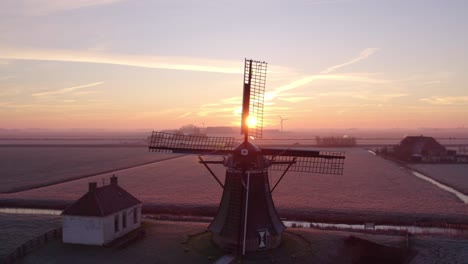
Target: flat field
<point>453,175</point>
<point>370,190</point>
<point>24,167</point>
<point>19,228</point>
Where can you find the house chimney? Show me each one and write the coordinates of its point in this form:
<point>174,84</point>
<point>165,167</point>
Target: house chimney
<point>113,180</point>
<point>92,186</point>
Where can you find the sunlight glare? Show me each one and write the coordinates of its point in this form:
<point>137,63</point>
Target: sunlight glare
<point>251,121</point>
<point>238,111</point>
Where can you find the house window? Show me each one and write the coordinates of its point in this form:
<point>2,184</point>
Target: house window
<point>124,220</point>
<point>116,223</point>
<point>135,217</point>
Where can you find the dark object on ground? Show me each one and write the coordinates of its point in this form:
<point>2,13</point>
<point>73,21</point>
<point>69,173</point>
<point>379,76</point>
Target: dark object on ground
<point>363,251</point>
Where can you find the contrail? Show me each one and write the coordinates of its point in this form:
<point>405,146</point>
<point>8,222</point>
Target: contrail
<point>67,90</point>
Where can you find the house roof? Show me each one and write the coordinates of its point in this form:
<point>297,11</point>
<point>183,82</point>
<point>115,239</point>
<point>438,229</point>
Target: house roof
<point>102,201</point>
<point>420,144</point>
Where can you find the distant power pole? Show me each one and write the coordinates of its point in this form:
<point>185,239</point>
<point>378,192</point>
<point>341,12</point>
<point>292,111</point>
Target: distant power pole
<point>282,121</point>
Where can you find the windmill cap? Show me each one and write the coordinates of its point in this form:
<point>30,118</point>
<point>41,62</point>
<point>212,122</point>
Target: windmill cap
<point>247,149</point>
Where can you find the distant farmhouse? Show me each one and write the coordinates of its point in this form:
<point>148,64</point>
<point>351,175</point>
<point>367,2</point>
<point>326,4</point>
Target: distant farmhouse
<point>426,150</point>
<point>101,215</point>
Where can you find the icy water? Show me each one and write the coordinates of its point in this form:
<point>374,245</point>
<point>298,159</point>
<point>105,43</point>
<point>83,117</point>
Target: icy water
<point>31,211</point>
<point>403,229</point>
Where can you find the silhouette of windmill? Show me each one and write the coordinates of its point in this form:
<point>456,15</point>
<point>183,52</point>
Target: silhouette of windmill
<point>282,121</point>
<point>247,220</point>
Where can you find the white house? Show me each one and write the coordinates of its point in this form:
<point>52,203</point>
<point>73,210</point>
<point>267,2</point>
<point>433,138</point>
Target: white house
<point>101,215</point>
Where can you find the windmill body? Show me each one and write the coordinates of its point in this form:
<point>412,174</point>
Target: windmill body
<point>247,220</point>
<point>246,214</point>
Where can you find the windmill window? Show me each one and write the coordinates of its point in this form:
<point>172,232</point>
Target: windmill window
<point>116,223</point>
<point>124,220</point>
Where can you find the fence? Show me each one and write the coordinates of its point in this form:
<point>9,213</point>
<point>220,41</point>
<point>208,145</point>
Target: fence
<point>28,246</point>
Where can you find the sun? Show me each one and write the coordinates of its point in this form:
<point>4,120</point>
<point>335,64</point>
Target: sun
<point>251,121</point>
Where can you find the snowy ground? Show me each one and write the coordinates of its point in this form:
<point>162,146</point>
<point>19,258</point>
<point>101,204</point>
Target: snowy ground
<point>370,190</point>
<point>453,175</point>
<point>166,242</point>
<point>25,167</point>
<point>19,228</point>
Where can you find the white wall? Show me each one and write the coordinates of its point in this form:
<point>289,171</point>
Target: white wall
<point>98,230</point>
<point>82,230</point>
<point>109,231</point>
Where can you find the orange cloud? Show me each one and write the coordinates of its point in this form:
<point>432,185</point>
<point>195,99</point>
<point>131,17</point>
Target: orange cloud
<point>42,7</point>
<point>448,100</point>
<point>169,63</point>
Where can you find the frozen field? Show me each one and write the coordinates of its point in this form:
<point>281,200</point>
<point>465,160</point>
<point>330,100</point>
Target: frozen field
<point>26,167</point>
<point>453,175</point>
<point>371,189</point>
<point>19,228</point>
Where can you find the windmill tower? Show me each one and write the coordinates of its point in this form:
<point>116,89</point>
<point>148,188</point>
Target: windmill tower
<point>247,220</point>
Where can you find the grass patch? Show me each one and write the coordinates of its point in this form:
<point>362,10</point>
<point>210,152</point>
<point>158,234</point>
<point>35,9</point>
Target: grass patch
<point>202,244</point>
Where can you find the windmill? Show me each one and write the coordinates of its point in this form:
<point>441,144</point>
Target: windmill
<point>282,121</point>
<point>247,220</point>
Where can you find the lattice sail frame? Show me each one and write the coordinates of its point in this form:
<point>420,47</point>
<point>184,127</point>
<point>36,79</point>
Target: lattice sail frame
<point>309,161</point>
<point>255,77</point>
<point>326,162</point>
<point>177,143</point>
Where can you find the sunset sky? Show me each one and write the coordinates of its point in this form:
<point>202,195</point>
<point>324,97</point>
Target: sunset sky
<point>141,64</point>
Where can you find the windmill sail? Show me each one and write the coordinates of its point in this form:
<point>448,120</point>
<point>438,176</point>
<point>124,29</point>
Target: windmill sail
<point>311,161</point>
<point>253,98</point>
<point>176,143</point>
